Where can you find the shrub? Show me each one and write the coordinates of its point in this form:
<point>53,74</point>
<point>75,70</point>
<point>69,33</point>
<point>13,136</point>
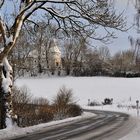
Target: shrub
<point>94,103</point>
<point>74,110</point>
<point>30,111</point>
<point>108,101</point>
<point>64,105</point>
<point>21,97</point>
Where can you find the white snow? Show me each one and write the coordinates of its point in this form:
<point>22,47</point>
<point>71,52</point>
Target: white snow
<point>9,122</point>
<point>84,88</point>
<point>16,131</point>
<point>7,66</point>
<point>6,84</point>
<point>7,81</point>
<point>9,39</point>
<point>1,49</point>
<point>124,91</point>
<point>135,133</point>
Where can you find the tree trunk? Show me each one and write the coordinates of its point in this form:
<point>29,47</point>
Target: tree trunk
<point>2,108</point>
<point>7,117</point>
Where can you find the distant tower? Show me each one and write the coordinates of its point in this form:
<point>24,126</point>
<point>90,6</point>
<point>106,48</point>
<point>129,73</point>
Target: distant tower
<point>54,56</point>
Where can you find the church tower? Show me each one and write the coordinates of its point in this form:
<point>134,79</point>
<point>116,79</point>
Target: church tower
<point>54,55</point>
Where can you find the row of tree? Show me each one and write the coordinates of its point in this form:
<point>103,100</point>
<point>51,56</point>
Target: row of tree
<point>84,18</point>
<point>78,57</point>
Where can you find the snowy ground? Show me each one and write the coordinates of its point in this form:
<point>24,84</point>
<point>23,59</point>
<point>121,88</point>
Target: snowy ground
<point>15,131</point>
<point>123,91</point>
<point>84,88</point>
<point>135,133</point>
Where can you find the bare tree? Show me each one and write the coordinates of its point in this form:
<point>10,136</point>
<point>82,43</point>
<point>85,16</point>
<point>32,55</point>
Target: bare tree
<point>104,53</point>
<point>81,16</point>
<point>73,54</point>
<point>137,17</point>
<point>61,101</point>
<point>122,62</point>
<point>135,42</point>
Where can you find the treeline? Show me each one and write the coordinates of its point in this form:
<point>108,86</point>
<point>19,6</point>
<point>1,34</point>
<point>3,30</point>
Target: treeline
<point>77,55</point>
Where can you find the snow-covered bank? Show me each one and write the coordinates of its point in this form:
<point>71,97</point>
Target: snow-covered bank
<point>16,131</point>
<point>127,110</point>
<point>124,91</point>
<point>135,133</point>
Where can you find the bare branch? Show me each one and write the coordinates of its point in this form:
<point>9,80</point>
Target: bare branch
<point>1,3</point>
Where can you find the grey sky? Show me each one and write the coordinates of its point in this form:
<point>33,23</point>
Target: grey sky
<point>122,43</point>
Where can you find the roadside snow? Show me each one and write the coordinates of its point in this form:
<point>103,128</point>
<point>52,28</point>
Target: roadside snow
<point>16,131</point>
<point>124,91</point>
<point>127,110</point>
<point>135,133</point>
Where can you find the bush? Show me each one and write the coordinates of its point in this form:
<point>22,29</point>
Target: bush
<point>108,101</point>
<point>64,105</point>
<point>30,111</point>
<point>94,103</point>
<point>74,110</point>
<point>21,97</point>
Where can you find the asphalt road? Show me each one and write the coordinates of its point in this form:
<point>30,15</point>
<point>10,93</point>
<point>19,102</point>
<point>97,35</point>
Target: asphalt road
<point>105,126</point>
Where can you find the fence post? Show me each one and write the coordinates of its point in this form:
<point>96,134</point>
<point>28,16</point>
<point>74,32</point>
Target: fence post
<point>137,107</point>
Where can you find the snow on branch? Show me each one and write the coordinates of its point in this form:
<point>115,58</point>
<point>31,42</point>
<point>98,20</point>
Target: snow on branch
<point>1,3</point>
<point>9,40</point>
<point>1,49</point>
<point>7,77</point>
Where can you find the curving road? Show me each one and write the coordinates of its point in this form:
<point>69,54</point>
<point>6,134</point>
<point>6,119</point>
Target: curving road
<point>105,126</point>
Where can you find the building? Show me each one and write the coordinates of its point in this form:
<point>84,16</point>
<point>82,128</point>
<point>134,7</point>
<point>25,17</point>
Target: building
<point>54,55</point>
<point>45,59</point>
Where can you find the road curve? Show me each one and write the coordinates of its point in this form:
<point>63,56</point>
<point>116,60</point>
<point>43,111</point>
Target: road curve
<point>105,126</point>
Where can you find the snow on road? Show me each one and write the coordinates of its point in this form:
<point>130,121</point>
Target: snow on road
<point>16,131</point>
<point>84,88</point>
<point>124,91</point>
<point>135,133</point>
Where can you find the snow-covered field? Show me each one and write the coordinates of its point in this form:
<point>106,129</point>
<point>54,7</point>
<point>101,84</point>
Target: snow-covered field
<point>84,88</point>
<point>124,91</point>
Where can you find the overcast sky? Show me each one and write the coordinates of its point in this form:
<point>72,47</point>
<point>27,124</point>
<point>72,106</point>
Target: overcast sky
<point>122,42</point>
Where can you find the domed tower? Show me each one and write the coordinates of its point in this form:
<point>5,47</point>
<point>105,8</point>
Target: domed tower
<point>54,55</point>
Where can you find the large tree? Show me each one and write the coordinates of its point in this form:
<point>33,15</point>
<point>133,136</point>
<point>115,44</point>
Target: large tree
<point>84,17</point>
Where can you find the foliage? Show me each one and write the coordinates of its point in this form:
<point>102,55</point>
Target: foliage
<point>64,105</point>
<point>74,110</point>
<point>32,111</point>
<point>108,101</point>
<point>80,17</point>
